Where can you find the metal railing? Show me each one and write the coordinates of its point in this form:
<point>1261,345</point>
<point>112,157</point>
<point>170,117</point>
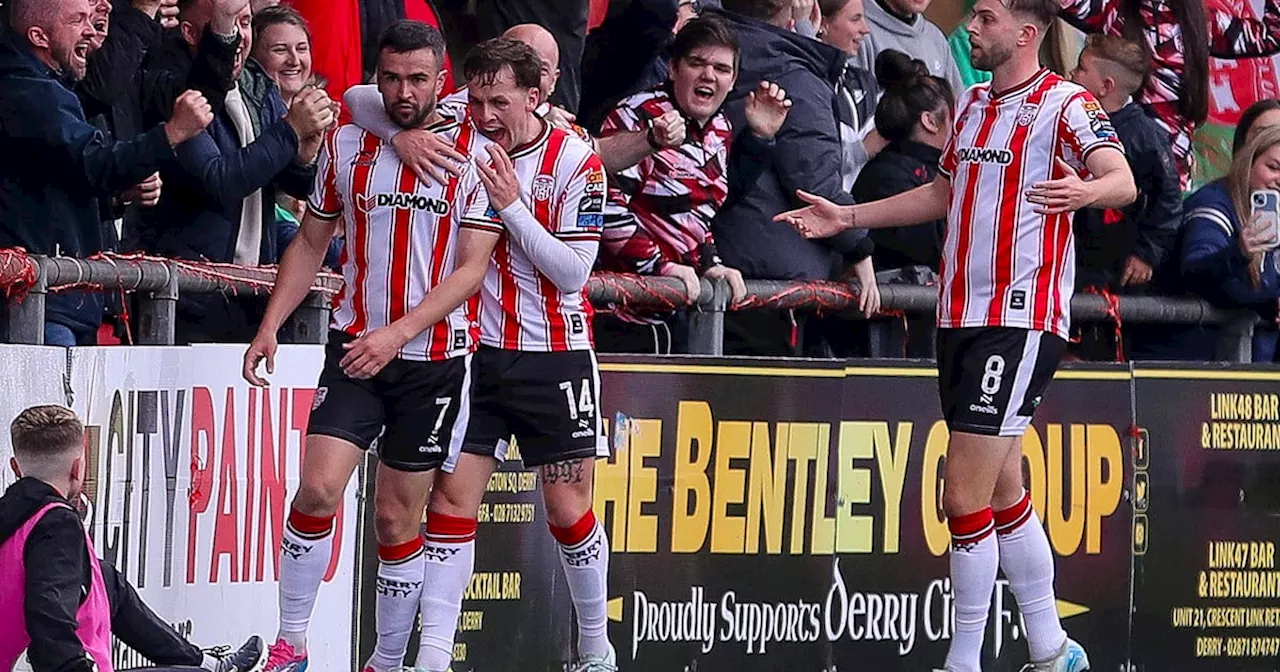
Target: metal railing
<point>157,284</point>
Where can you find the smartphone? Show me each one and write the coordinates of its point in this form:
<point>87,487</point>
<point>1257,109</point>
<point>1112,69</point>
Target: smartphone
<point>1266,202</point>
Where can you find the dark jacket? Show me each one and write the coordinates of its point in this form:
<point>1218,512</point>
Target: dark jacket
<point>119,88</point>
<point>56,562</point>
<point>199,217</point>
<point>1147,229</point>
<point>901,167</point>
<point>49,198</point>
<point>807,156</point>
<point>169,69</point>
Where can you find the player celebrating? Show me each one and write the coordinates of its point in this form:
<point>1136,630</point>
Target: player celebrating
<point>1008,187</point>
<point>399,355</point>
<point>535,374</point>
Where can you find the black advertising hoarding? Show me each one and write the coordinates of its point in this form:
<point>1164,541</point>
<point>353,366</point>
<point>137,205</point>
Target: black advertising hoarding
<point>1208,500</point>
<point>895,577</point>
<point>768,515</point>
<point>719,506</point>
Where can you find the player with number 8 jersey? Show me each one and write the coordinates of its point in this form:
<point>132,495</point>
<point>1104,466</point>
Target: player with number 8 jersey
<point>1012,174</point>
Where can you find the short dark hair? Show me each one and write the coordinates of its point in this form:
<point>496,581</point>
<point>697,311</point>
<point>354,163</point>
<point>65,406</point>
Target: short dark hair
<point>1249,118</point>
<point>704,31</point>
<point>1129,56</point>
<point>276,15</point>
<point>487,59</point>
<point>1043,12</point>
<point>763,10</point>
<point>45,432</point>
<point>405,35</point>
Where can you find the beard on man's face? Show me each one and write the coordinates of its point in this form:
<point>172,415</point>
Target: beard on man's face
<point>408,116</point>
<point>990,57</point>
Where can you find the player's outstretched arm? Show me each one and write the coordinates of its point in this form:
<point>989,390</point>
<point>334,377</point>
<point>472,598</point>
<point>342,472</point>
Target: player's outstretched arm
<point>823,219</point>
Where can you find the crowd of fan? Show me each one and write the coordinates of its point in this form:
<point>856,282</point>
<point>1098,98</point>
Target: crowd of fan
<point>189,129</point>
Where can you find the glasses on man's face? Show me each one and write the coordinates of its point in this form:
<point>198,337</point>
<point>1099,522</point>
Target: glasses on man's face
<point>695,5</point>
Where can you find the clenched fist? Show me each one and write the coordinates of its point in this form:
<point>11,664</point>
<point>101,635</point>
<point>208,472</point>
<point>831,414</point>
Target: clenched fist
<point>669,129</point>
<point>312,113</point>
<point>191,115</point>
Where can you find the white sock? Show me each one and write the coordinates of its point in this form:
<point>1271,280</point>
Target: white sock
<point>975,561</point>
<point>399,589</point>
<point>584,554</point>
<point>304,558</point>
<point>1027,562</point>
<point>450,557</point>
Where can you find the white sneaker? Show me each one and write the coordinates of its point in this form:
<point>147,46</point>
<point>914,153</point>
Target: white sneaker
<point>609,663</point>
<point>1071,658</point>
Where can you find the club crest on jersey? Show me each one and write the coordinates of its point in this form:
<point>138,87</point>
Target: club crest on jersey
<point>543,186</point>
<point>367,202</point>
<point>1027,114</point>
<point>1001,156</point>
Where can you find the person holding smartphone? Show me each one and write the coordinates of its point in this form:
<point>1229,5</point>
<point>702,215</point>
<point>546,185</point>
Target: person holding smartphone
<point>1230,237</point>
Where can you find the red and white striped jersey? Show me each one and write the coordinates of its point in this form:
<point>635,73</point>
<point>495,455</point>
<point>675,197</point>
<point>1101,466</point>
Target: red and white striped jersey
<point>401,235</point>
<point>1004,264</point>
<point>563,184</point>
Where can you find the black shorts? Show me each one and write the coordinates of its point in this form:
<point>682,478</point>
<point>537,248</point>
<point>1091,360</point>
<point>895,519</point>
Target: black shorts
<point>549,401</point>
<point>990,379</point>
<point>416,412</point>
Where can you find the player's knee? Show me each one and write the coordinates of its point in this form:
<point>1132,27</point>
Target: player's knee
<point>567,505</point>
<point>318,499</point>
<point>395,524</point>
<point>957,502</point>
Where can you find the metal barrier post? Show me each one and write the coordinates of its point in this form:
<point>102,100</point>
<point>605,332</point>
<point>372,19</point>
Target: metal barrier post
<point>309,323</point>
<point>26,315</point>
<point>706,322</point>
<point>1236,341</point>
<point>158,313</point>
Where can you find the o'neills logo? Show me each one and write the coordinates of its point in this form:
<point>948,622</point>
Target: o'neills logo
<point>1003,157</point>
<point>696,620</point>
<point>402,201</point>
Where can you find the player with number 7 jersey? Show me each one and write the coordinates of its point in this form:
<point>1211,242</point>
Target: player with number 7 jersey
<point>536,379</point>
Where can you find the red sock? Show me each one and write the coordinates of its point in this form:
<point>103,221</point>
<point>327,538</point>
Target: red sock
<point>450,529</point>
<point>971,528</point>
<point>311,527</point>
<point>400,552</point>
<point>1013,517</point>
<point>576,533</point>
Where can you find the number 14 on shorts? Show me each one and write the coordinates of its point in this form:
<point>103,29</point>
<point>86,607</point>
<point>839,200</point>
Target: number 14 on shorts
<point>582,407</point>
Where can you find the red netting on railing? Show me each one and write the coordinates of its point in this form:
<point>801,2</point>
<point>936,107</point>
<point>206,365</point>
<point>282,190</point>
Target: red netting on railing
<point>1113,314</point>
<point>636,292</point>
<point>821,297</point>
<point>17,272</point>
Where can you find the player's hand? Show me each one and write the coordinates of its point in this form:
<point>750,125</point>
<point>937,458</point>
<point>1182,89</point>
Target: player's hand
<point>869,296</point>
<point>191,115</point>
<point>820,219</point>
<point>692,285</point>
<point>1257,238</point>
<point>264,346</point>
<point>367,355</point>
<point>499,178</point>
<point>1065,194</point>
<point>560,118</point>
<point>737,287</point>
<point>1136,272</point>
<point>145,194</point>
<point>767,109</point>
<point>670,129</point>
<point>312,113</point>
<point>428,156</point>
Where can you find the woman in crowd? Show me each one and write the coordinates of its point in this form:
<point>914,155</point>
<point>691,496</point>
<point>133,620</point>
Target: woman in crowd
<point>282,47</point>
<point>1228,254</point>
<point>282,52</point>
<point>844,26</point>
<point>914,116</point>
<point>1180,36</point>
